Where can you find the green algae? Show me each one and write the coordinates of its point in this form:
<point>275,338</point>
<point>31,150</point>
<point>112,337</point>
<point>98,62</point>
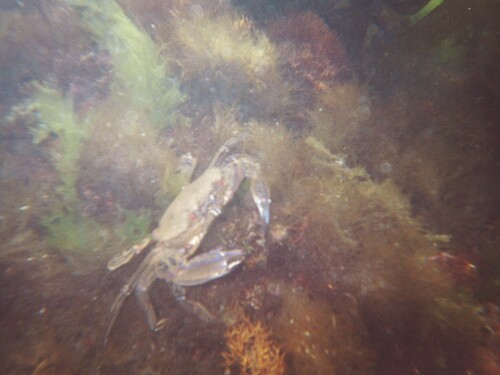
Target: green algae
<point>55,116</point>
<point>139,68</point>
<point>140,82</point>
<point>70,231</point>
<point>423,12</point>
<point>135,225</point>
<point>67,228</point>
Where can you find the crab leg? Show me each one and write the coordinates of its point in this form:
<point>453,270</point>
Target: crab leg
<point>127,289</point>
<point>192,306</point>
<point>141,292</point>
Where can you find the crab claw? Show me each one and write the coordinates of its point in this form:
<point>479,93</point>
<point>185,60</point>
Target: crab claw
<point>205,267</point>
<point>124,257</point>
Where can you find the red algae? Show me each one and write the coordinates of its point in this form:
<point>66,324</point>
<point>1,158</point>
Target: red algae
<point>318,55</point>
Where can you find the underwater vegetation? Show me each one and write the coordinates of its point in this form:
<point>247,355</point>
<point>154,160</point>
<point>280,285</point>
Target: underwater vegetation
<point>318,339</point>
<point>212,41</point>
<point>139,69</point>
<point>346,233</point>
<point>312,61</point>
<point>252,350</point>
<point>134,225</point>
<point>97,150</point>
<point>424,11</point>
<point>126,157</point>
<point>339,115</point>
<point>52,115</point>
<point>224,59</point>
<point>350,280</point>
<point>70,231</point>
<point>313,51</point>
<point>55,116</point>
<point>79,151</point>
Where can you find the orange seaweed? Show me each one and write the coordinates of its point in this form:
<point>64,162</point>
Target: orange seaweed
<point>252,350</point>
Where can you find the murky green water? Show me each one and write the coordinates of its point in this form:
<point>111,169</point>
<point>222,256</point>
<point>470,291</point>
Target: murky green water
<point>373,126</point>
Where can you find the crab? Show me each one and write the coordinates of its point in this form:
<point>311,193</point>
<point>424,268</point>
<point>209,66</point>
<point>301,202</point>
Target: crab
<point>183,227</point>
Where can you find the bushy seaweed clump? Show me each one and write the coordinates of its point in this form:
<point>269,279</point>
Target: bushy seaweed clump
<point>318,57</point>
<point>339,116</point>
<point>225,59</point>
<point>252,350</point>
<point>139,69</point>
<point>312,60</point>
<point>224,39</point>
